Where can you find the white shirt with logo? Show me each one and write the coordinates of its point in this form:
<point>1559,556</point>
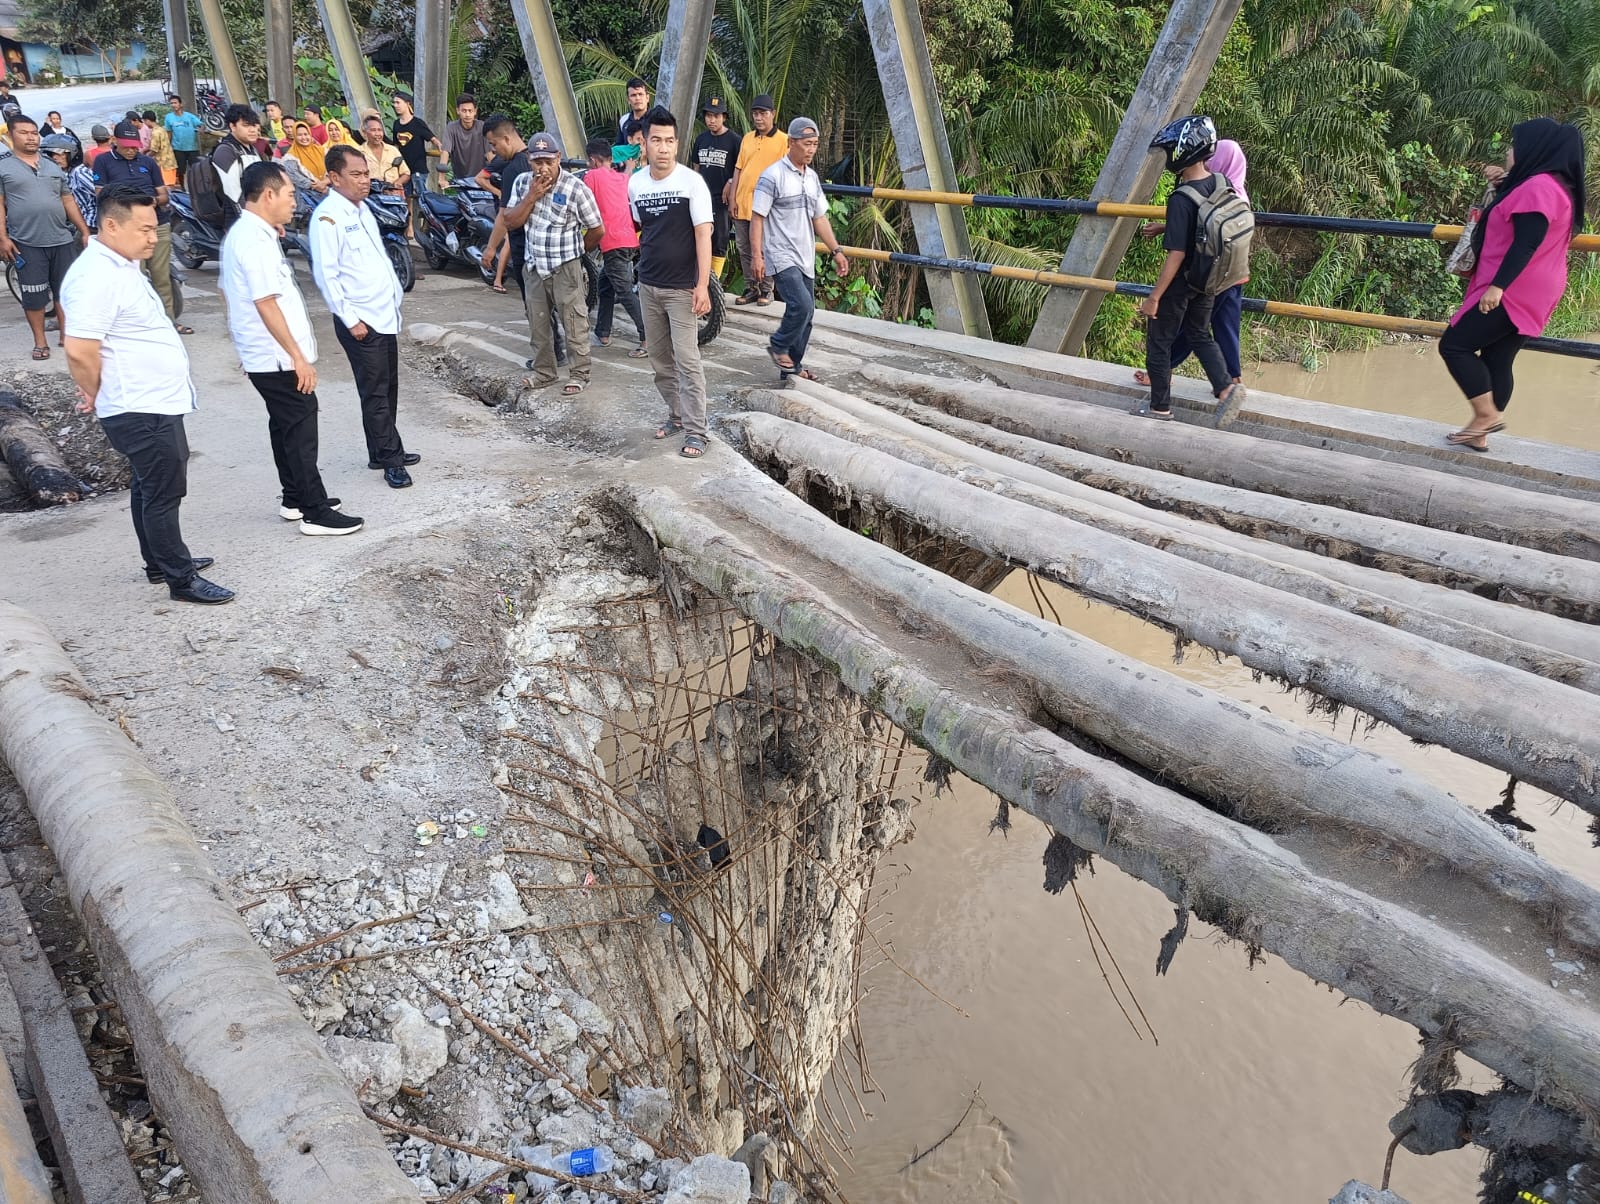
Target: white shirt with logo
<point>253,269</point>
<point>351,268</point>
<point>144,367</point>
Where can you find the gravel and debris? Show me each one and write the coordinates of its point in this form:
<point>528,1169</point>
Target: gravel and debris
<point>52,399</point>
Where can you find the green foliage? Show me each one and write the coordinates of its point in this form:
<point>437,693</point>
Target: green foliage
<point>105,27</point>
<point>317,83</point>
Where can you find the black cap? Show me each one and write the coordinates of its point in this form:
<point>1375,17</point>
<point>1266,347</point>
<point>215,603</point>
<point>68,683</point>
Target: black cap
<point>715,105</point>
<point>126,133</point>
<point>764,102</point>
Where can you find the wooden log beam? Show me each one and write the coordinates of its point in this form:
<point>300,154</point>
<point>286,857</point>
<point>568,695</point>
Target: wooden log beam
<point>35,461</point>
<point>1527,518</point>
<point>1387,955</point>
<point>1558,585</point>
<point>1536,730</point>
<point>1247,559</point>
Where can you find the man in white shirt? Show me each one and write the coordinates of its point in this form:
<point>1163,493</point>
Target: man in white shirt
<point>277,347</point>
<point>672,207</point>
<point>789,215</point>
<point>132,372</point>
<point>355,278</point>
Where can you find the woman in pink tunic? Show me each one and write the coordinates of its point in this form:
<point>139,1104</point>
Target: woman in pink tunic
<point>1521,241</point>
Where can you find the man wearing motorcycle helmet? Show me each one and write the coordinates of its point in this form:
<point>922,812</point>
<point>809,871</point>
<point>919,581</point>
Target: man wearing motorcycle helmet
<point>1174,306</point>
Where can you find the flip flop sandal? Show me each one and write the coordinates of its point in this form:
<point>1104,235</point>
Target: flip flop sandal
<point>41,353</point>
<point>638,353</point>
<point>779,359</point>
<point>534,382</point>
<point>499,288</point>
<point>693,447</point>
<point>1467,434</point>
<point>1141,377</point>
<point>805,374</point>
<point>573,387</point>
<point>668,429</point>
<point>182,329</point>
<point>605,342</point>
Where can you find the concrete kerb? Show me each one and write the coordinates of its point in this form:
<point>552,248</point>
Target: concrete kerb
<point>260,1113</point>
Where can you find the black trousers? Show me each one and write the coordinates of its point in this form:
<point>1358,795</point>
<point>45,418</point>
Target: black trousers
<point>1478,349</point>
<point>1187,312</point>
<point>185,161</point>
<point>158,452</point>
<point>375,360</point>
<point>292,428</point>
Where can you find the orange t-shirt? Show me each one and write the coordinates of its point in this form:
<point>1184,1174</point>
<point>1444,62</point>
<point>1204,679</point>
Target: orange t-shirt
<point>756,154</point>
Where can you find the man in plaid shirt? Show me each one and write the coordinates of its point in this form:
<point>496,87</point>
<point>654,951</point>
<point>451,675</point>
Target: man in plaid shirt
<point>562,221</point>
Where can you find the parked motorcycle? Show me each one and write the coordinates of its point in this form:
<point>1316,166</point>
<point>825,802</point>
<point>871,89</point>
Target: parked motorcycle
<point>455,225</point>
<point>393,215</point>
<point>194,242</point>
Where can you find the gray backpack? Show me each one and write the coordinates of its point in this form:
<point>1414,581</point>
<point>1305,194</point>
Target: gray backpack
<point>1222,232</point>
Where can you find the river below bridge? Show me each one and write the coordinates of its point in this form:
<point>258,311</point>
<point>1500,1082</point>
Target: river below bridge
<point>1265,1088</point>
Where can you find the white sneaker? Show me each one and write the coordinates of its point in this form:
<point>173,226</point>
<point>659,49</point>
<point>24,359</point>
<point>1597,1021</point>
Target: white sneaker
<point>331,522</point>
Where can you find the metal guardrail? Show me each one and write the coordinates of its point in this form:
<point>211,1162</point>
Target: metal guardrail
<point>1314,313</point>
<point>1082,208</point>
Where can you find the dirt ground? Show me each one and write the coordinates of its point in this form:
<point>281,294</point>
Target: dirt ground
<point>341,699</point>
<point>52,400</point>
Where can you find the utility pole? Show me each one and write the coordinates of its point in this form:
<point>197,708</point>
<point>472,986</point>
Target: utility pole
<point>547,63</point>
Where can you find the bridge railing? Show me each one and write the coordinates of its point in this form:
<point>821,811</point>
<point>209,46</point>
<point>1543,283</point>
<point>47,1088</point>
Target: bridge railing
<point>1578,348</point>
<point>1082,208</point>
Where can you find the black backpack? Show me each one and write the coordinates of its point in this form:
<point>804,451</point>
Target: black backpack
<point>203,183</point>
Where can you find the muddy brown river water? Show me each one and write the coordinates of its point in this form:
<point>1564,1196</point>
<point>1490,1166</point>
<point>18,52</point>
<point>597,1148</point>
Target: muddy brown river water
<point>1265,1087</point>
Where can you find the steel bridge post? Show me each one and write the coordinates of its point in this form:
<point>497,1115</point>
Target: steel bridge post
<point>345,44</point>
<point>222,55</point>
<point>280,56</point>
<point>547,63</point>
<point>683,63</point>
<point>178,69</point>
<point>917,122</point>
<point>429,73</point>
<point>1172,81</point>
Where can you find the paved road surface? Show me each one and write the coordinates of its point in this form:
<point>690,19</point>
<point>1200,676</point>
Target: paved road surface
<point>82,105</point>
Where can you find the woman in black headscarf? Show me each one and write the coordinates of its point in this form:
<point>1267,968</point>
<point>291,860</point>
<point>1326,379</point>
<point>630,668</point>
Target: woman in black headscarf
<point>1521,243</point>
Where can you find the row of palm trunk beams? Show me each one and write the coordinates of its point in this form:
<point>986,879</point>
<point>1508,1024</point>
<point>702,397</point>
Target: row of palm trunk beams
<point>1461,613</point>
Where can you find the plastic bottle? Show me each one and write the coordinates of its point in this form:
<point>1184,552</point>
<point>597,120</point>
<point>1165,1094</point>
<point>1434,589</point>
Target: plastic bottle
<point>593,1160</point>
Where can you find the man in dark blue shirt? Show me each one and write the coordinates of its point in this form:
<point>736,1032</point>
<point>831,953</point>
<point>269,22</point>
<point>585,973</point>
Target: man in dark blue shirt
<point>127,164</point>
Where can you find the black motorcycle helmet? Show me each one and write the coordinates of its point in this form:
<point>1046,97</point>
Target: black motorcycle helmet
<point>1187,140</point>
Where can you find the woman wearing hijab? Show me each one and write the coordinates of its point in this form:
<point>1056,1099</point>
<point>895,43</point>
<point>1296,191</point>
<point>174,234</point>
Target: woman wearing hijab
<point>339,136</point>
<point>1228,310</point>
<point>1521,244</point>
<point>308,156</point>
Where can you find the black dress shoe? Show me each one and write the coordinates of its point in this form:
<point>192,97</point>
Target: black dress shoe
<point>406,458</point>
<point>206,593</point>
<point>397,478</point>
<point>156,577</point>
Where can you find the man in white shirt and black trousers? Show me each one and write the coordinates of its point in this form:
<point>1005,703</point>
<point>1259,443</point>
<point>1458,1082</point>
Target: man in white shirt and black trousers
<point>277,346</point>
<point>353,274</point>
<point>672,207</point>
<point>132,372</point>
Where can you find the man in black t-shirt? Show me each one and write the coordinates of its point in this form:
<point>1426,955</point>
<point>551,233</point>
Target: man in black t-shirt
<point>715,154</point>
<point>413,137</point>
<point>1175,306</point>
<point>500,132</point>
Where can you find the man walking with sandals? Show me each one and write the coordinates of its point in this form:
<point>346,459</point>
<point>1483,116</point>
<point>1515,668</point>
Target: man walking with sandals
<point>673,208</point>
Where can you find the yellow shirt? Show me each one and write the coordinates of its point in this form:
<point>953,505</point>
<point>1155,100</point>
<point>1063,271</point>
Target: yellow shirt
<point>382,163</point>
<point>161,149</point>
<point>756,154</point>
